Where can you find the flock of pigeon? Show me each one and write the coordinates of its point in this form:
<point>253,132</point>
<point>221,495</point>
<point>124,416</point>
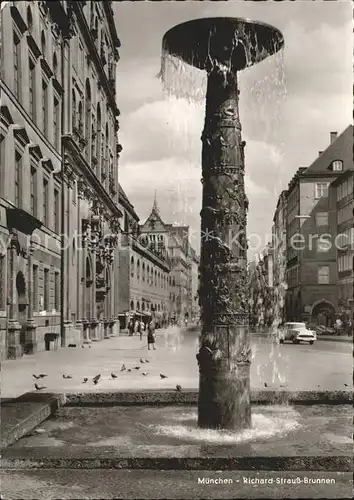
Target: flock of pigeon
<point>96,379</point>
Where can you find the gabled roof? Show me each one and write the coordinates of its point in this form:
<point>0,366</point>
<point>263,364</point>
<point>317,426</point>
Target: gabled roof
<point>335,151</point>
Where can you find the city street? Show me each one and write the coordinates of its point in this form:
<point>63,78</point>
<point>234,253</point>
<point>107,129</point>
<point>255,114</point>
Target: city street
<point>322,366</point>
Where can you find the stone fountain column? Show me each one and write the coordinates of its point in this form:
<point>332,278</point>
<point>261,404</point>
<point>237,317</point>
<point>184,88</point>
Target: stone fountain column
<point>224,356</point>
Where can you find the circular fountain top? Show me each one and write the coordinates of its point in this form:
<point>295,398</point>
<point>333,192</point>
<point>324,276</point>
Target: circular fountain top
<point>232,42</point>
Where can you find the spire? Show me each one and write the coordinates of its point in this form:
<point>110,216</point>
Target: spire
<point>155,208</point>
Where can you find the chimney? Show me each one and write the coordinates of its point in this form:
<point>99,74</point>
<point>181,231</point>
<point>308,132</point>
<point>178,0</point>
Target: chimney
<point>319,153</point>
<point>333,136</point>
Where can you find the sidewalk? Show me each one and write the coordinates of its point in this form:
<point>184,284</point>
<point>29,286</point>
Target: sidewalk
<point>175,357</point>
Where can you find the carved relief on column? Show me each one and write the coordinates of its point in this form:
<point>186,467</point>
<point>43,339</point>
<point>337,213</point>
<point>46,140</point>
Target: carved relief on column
<point>223,286</point>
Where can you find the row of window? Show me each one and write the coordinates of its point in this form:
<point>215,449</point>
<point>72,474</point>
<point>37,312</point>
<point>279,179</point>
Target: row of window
<point>39,189</point>
<point>49,298</point>
<point>345,189</point>
<point>39,112</point>
<point>151,276</point>
<point>146,306</point>
<point>346,238</point>
<point>345,262</point>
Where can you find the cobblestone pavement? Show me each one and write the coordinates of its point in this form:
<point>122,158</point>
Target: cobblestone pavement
<point>322,366</point>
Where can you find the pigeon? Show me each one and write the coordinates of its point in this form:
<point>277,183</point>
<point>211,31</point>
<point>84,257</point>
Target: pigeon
<point>113,375</point>
<point>89,347</point>
<point>39,387</point>
<point>96,379</point>
<point>37,377</point>
<point>178,388</point>
<point>265,384</point>
<point>136,367</point>
<point>129,370</point>
<point>145,373</point>
<point>67,376</point>
<point>83,347</point>
<point>147,361</point>
<point>85,380</point>
<point>41,375</point>
<point>346,385</point>
<point>123,368</point>
<point>142,361</point>
<point>163,376</point>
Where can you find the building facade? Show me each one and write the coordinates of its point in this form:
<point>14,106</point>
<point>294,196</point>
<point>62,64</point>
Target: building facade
<point>342,202</point>
<point>59,216</point>
<point>312,293</point>
<point>175,239</point>
<point>261,295</point>
<point>194,287</point>
<point>144,288</point>
<point>279,258</point>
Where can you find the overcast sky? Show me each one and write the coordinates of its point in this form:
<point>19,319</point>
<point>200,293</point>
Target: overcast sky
<point>285,125</point>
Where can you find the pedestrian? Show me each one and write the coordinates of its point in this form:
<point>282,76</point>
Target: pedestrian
<point>130,327</point>
<point>136,326</point>
<point>151,334</point>
<point>141,329</point>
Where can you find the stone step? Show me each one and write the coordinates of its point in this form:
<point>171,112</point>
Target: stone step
<point>21,415</point>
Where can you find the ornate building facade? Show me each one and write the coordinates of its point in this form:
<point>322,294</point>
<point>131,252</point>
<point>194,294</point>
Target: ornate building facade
<point>59,215</point>
<point>175,241</point>
<point>144,271</point>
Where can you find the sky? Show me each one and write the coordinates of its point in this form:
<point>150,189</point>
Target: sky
<point>289,104</point>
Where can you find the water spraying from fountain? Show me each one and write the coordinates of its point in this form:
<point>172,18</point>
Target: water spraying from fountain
<point>221,47</point>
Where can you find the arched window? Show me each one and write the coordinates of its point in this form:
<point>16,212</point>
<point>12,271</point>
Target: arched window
<point>132,267</point>
<point>88,119</point>
<point>143,271</point>
<point>98,137</point>
<point>80,117</point>
<point>43,43</point>
<point>55,65</point>
<point>138,269</point>
<point>155,277</point>
<point>152,276</point>
<point>74,110</point>
<point>132,305</point>
<point>138,306</point>
<point>29,20</point>
<point>148,274</point>
<point>106,154</point>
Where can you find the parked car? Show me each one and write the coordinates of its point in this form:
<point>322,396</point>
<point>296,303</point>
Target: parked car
<point>296,332</point>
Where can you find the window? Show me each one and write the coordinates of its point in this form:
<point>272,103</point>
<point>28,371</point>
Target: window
<point>321,189</point>
<point>18,180</point>
<point>17,66</point>
<point>45,202</point>
<point>73,103</point>
<point>56,211</point>
<point>132,267</point>
<point>2,283</point>
<point>56,123</point>
<point>322,245</point>
<point>45,107</point>
<point>32,89</point>
<point>55,65</point>
<point>29,20</point>
<point>46,289</point>
<point>337,166</point>
<point>57,291</point>
<point>138,269</point>
<point>322,219</point>
<point>323,275</point>
<point>43,44</point>
<point>35,288</point>
<point>33,191</point>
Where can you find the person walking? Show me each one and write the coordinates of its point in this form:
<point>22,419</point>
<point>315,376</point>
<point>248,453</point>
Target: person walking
<point>151,334</point>
<point>131,327</point>
<point>141,329</point>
